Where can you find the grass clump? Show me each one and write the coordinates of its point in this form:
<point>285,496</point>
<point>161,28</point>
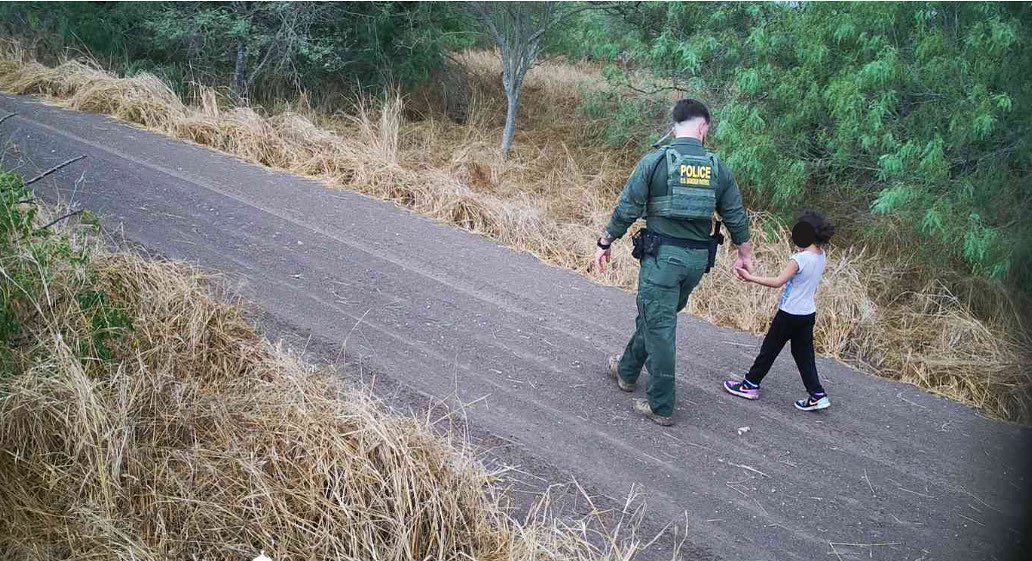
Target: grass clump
<point>142,417</point>
<point>554,193</point>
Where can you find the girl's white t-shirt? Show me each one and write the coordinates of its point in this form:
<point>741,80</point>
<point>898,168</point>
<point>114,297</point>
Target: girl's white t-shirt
<point>798,296</point>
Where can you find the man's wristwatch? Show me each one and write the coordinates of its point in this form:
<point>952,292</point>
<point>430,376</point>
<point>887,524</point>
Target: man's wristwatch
<point>606,245</point>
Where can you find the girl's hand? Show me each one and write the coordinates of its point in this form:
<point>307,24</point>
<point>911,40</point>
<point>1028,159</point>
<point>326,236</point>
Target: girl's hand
<point>742,274</point>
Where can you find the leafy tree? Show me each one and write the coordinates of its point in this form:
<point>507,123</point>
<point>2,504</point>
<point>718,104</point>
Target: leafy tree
<point>262,49</point>
<point>256,38</point>
<point>101,29</point>
<point>913,114</point>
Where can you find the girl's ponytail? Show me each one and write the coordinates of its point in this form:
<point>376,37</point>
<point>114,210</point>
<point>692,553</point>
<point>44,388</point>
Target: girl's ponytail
<point>823,229</point>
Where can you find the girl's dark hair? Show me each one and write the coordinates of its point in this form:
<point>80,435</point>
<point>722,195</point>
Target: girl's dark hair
<point>823,229</point>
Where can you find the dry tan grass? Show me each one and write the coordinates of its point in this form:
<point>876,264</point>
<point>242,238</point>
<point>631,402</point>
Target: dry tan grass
<point>550,79</point>
<point>141,99</point>
<point>201,440</point>
<point>931,339</point>
<point>553,195</point>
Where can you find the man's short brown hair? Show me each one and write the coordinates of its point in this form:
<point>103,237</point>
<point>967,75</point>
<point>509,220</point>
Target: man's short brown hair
<point>688,109</point>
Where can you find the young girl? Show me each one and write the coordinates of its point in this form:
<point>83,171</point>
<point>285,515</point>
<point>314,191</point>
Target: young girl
<point>796,314</point>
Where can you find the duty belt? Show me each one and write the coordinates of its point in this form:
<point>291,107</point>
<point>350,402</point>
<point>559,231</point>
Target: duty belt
<point>681,242</point>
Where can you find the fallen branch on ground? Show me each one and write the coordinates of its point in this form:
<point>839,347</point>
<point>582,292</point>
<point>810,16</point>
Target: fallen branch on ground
<point>53,169</point>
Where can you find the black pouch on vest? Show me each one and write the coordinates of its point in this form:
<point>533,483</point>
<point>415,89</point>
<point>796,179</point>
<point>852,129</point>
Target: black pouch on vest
<point>716,239</point>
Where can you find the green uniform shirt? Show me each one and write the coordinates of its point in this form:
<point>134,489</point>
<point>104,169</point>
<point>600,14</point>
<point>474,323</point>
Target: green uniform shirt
<point>635,196</point>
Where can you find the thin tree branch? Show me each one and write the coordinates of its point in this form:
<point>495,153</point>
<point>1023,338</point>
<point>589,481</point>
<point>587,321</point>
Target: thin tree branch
<point>60,218</point>
<point>485,17</point>
<point>53,169</point>
<point>657,90</point>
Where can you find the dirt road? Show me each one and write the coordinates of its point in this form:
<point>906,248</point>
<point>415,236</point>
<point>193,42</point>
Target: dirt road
<point>889,472</point>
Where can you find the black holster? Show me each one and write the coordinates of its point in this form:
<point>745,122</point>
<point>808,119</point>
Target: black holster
<point>716,239</point>
<point>643,243</point>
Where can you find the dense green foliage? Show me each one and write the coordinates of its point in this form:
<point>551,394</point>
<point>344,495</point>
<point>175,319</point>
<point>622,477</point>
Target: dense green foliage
<point>918,113</point>
<point>261,49</point>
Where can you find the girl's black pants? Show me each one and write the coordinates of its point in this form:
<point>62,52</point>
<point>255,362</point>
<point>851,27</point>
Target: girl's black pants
<point>784,328</point>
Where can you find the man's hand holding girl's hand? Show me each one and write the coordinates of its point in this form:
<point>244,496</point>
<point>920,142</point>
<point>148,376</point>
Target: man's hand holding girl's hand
<point>744,261</point>
<point>743,274</point>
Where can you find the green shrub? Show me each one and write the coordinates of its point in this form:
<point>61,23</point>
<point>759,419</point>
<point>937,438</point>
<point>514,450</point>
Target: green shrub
<point>330,48</point>
<point>622,121</point>
<point>33,259</point>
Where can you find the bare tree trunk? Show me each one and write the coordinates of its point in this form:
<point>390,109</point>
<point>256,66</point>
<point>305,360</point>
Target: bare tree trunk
<point>517,29</point>
<point>239,84</point>
<point>512,95</point>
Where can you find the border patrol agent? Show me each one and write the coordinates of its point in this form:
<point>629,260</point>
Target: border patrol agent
<point>676,189</point>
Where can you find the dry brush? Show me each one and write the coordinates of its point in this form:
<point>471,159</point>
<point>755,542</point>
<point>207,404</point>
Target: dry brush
<point>188,436</point>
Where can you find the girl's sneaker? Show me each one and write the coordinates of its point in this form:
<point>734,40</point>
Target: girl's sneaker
<point>742,389</point>
<point>813,403</point>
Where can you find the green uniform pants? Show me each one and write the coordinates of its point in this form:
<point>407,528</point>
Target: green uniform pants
<point>664,283</point>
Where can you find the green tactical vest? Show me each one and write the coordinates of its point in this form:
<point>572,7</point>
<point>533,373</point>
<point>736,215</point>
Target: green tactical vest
<point>691,188</point>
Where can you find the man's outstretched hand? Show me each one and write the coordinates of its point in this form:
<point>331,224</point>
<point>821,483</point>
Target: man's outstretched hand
<point>602,257</point>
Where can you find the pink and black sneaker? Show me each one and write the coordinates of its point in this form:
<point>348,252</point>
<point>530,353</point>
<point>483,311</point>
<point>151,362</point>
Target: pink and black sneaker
<point>743,388</point>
